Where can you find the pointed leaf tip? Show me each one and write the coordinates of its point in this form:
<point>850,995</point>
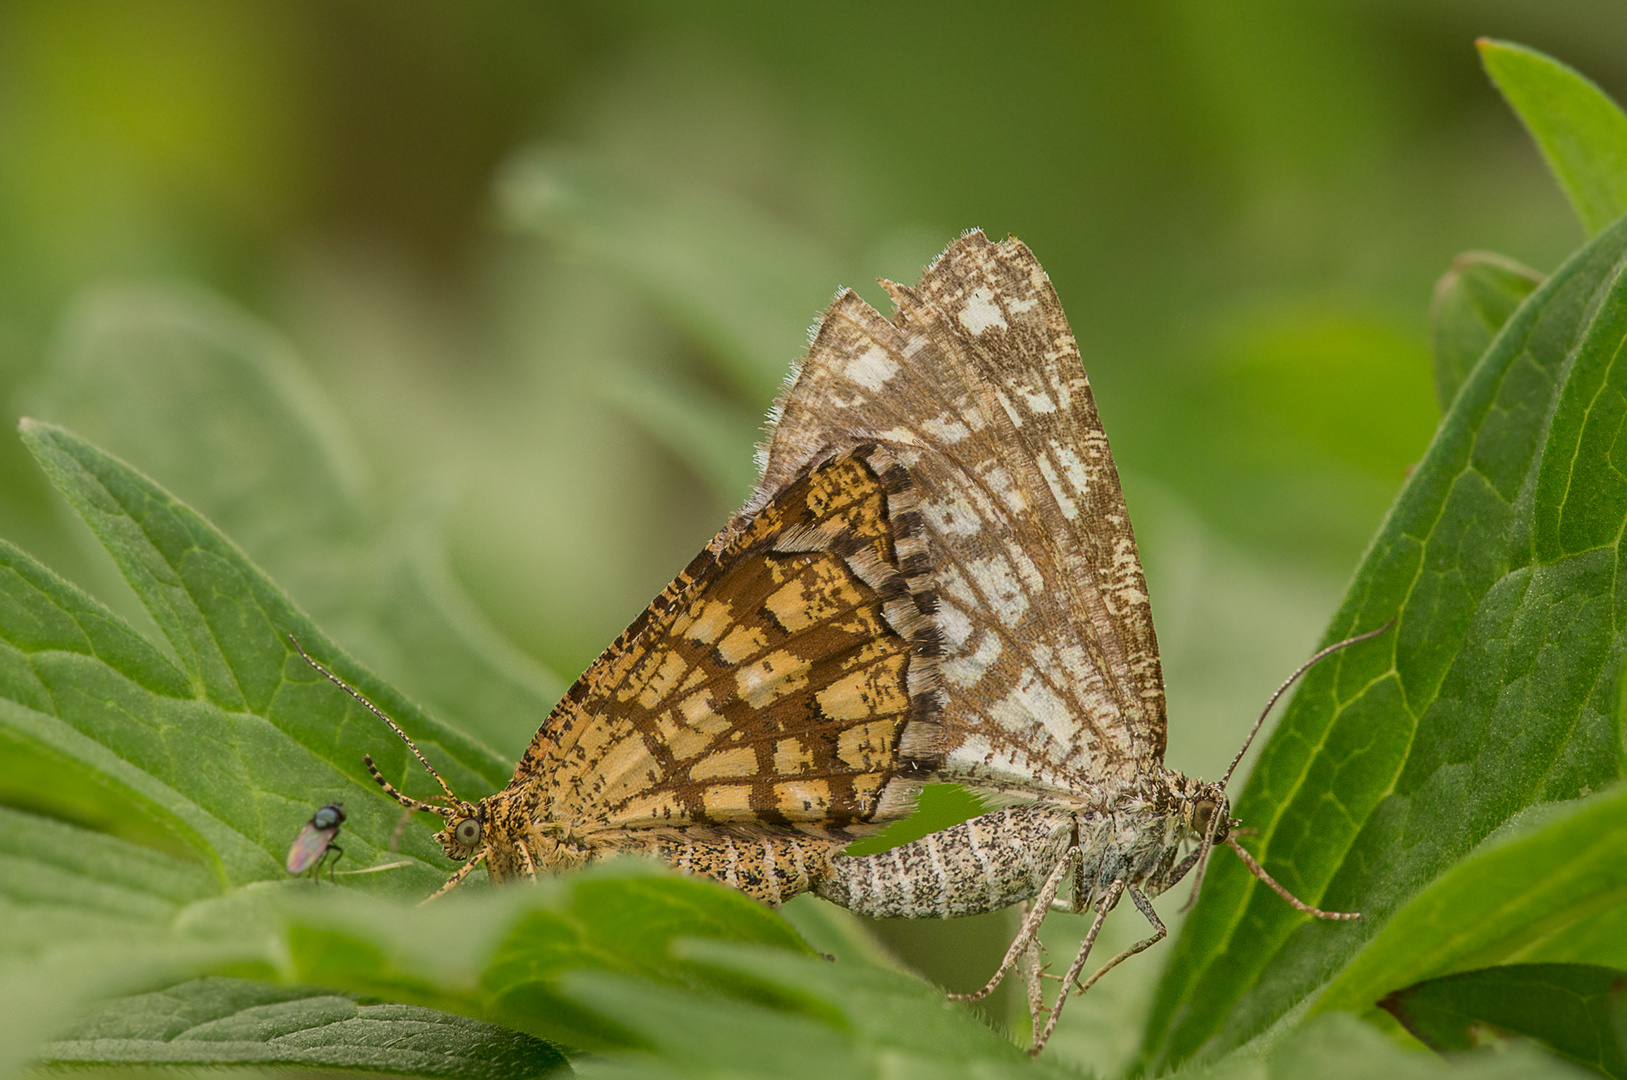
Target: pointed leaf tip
<point>1580,130</point>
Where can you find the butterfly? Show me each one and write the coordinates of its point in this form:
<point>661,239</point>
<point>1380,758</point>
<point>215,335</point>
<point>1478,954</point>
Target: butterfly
<point>1052,686</point>
<point>314,843</point>
<point>776,700</point>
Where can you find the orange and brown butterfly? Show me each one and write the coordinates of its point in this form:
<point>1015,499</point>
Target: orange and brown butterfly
<point>776,700</point>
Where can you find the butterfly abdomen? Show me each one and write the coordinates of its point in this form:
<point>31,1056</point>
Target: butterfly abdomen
<point>984,864</point>
<point>768,868</point>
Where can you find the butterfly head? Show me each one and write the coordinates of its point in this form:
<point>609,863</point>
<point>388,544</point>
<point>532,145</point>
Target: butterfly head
<point>465,832</point>
<point>1208,816</point>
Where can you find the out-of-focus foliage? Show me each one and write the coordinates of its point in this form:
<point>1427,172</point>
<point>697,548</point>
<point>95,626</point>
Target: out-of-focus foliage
<point>1570,1008</point>
<point>535,270</point>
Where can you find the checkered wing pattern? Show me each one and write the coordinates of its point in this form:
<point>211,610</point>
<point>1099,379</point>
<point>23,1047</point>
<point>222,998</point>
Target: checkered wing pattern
<point>1050,666</point>
<point>786,678</point>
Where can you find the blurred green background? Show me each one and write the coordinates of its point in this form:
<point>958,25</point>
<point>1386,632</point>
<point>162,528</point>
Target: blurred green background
<point>538,269</point>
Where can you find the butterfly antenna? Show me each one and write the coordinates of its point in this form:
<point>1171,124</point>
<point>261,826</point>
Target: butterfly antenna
<point>1295,902</point>
<point>1206,848</point>
<point>374,709</point>
<point>1283,689</point>
<point>1208,845</point>
<point>408,801</point>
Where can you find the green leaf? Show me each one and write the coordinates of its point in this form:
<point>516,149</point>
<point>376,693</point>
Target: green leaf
<point>219,1021</point>
<point>1514,898</point>
<point>939,807</point>
<point>1569,1008</point>
<point>830,1020</point>
<point>1581,132</point>
<point>1472,302</point>
<point>499,954</point>
<point>1341,1048</point>
<point>85,917</point>
<point>41,994</point>
<point>490,955</point>
<point>1497,690</point>
<point>59,883</point>
<point>215,404</point>
<point>232,750</point>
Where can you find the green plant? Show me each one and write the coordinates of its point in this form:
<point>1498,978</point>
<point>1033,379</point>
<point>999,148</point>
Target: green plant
<point>1461,793</point>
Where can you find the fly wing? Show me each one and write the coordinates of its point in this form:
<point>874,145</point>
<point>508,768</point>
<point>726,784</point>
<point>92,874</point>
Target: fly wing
<point>786,678</point>
<point>1050,667</point>
<point>309,846</point>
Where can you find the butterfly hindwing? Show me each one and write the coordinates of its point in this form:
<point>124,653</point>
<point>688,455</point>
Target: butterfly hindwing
<point>786,678</point>
<point>1050,668</point>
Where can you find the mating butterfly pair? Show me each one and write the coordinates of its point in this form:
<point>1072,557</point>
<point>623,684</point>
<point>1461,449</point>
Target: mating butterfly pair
<point>936,579</point>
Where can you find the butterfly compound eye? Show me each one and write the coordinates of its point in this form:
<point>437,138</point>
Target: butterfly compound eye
<point>1201,814</point>
<point>467,832</point>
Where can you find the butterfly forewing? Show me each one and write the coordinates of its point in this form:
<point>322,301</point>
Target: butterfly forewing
<point>1050,667</point>
<point>787,677</point>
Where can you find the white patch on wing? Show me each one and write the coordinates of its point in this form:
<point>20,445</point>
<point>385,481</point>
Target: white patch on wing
<point>953,518</point>
<point>1039,401</point>
<point>1001,591</point>
<point>955,625</point>
<point>1004,766</point>
<point>1073,467</point>
<point>981,312</point>
<point>994,475</point>
<point>1048,470</point>
<point>1019,307</point>
<point>1027,572</point>
<point>897,438</point>
<point>966,669</point>
<point>948,429</point>
<point>872,368</point>
<point>952,583</point>
<point>1033,701</point>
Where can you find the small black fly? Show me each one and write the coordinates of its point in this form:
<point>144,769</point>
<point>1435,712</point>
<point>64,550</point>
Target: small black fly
<point>315,843</point>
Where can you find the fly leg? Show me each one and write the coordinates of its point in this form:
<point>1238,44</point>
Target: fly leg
<point>337,852</point>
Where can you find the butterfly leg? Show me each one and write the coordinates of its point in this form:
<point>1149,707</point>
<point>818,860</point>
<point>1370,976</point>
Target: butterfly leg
<point>525,857</point>
<point>1030,926</point>
<point>1103,906</point>
<point>1033,979</point>
<point>1159,932</point>
<point>456,879</point>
